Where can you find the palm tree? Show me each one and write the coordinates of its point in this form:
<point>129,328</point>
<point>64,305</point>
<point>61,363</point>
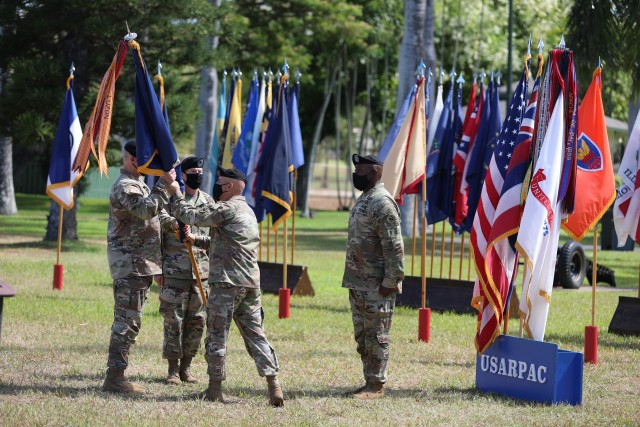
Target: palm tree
<point>417,44</point>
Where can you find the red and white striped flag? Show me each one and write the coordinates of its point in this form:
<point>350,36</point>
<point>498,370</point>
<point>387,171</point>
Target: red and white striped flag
<point>490,299</point>
<point>460,158</point>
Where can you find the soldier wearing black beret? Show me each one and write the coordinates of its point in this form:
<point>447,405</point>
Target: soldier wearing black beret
<point>373,272</point>
<point>181,305</point>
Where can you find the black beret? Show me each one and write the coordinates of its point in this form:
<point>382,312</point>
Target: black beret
<point>191,162</point>
<point>130,147</point>
<point>232,173</point>
<point>365,160</point>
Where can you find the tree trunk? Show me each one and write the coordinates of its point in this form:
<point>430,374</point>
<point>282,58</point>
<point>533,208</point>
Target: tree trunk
<point>306,171</point>
<point>7,194</point>
<point>208,105</point>
<point>69,223</point>
<point>417,43</point>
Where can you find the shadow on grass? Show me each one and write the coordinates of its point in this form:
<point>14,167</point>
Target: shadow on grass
<point>605,339</point>
<point>67,246</point>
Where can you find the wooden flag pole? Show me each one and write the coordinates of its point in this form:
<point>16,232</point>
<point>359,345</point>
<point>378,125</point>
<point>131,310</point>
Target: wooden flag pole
<point>58,269</point>
<point>433,247</point>
<point>442,248</point>
<point>461,257</point>
<point>268,237</point>
<point>524,277</point>
<point>591,332</point>
<point>275,247</point>
<point>59,233</point>
<point>594,269</point>
<point>469,264</point>
<point>413,245</point>
<point>424,313</point>
<point>194,266</point>
<point>260,245</point>
<point>284,251</point>
<point>284,293</point>
<point>453,234</point>
<point>293,219</point>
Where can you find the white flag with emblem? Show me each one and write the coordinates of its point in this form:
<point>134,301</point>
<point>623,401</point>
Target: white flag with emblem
<point>540,227</point>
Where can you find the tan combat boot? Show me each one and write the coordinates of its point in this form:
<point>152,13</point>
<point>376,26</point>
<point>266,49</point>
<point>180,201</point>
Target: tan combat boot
<point>185,370</point>
<point>358,390</point>
<point>213,392</point>
<point>275,391</point>
<point>370,392</point>
<point>115,382</point>
<point>172,374</point>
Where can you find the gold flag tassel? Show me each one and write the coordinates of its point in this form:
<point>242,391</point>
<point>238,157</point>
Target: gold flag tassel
<point>98,127</point>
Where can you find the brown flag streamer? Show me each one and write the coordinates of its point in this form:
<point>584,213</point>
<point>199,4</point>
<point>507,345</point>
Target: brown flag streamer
<point>98,127</point>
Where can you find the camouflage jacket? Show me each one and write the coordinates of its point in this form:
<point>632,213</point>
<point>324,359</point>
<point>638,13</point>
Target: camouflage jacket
<point>133,232</point>
<point>234,239</point>
<point>375,249</point>
<point>176,263</point>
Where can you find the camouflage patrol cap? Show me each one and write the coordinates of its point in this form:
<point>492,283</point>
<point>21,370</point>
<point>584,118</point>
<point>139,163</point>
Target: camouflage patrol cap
<point>130,147</point>
<point>191,162</point>
<point>365,160</point>
<point>232,173</point>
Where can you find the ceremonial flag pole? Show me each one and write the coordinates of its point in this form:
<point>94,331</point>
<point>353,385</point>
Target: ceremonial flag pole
<point>453,233</point>
<point>433,248</point>
<point>461,256</point>
<point>187,245</point>
<point>596,183</point>
<point>61,178</point>
<point>413,245</point>
<point>277,168</point>
<point>293,213</point>
<point>58,269</point>
<point>268,238</point>
<point>297,153</point>
<point>275,246</point>
<point>424,313</point>
<point>442,248</point>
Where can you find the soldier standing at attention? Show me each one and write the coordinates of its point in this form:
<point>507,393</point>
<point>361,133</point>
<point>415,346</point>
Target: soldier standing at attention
<point>373,273</point>
<point>234,281</point>
<point>181,305</point>
<point>133,239</point>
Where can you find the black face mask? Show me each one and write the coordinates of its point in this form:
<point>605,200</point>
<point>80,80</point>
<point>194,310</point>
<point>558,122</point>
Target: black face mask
<point>360,182</point>
<point>217,192</point>
<point>194,180</point>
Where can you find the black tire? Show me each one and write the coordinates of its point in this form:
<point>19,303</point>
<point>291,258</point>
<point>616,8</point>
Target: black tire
<point>571,266</point>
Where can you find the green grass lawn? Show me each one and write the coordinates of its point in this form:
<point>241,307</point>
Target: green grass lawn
<point>54,345</point>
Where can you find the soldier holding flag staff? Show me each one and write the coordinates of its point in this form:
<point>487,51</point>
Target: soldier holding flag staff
<point>181,305</point>
<point>133,238</point>
<point>234,280</point>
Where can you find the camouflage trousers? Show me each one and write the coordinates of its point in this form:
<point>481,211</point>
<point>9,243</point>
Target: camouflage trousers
<point>184,316</point>
<point>371,314</point>
<point>243,305</point>
<point>130,294</point>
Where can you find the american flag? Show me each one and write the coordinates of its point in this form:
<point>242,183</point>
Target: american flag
<point>459,159</point>
<point>489,294</point>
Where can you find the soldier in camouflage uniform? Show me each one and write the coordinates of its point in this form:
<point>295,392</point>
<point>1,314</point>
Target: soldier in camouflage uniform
<point>181,304</point>
<point>133,238</point>
<point>373,273</point>
<point>234,281</point>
